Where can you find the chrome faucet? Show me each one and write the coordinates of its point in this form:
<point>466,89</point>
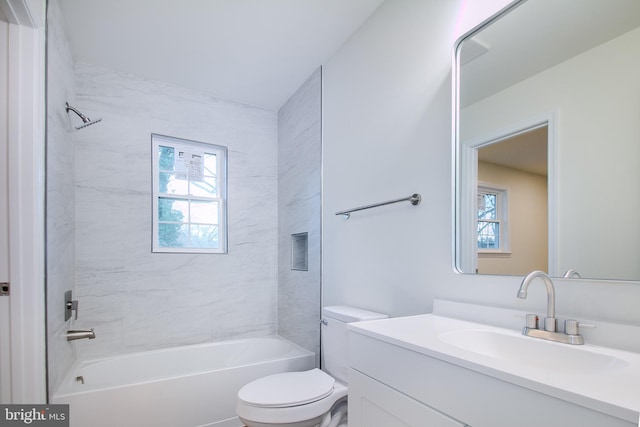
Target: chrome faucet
<point>572,274</point>
<point>78,335</point>
<point>550,322</point>
<point>571,333</point>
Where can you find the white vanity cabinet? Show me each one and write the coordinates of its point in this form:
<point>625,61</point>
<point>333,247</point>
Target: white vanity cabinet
<point>373,404</point>
<point>390,385</point>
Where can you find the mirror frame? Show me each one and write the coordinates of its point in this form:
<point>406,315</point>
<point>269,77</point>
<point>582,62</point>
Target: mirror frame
<point>456,152</point>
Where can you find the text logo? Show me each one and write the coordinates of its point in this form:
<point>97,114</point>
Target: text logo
<point>34,415</point>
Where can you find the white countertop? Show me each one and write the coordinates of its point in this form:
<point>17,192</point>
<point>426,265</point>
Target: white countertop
<point>613,389</point>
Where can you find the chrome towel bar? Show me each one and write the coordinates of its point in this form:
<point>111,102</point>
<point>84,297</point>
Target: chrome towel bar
<point>415,200</point>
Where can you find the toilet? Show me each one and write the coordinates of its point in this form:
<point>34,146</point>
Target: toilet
<point>313,398</point>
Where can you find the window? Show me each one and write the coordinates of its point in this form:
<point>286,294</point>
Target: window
<point>492,230</point>
<point>189,196</point>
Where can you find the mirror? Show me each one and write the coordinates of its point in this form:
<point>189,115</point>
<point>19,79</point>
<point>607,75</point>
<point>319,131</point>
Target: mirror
<point>547,141</point>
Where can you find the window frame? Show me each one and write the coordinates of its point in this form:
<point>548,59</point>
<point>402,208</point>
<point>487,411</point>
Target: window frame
<point>221,153</point>
<point>502,219</point>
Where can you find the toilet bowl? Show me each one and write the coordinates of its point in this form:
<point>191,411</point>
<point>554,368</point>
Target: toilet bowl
<point>293,399</point>
<point>313,398</point>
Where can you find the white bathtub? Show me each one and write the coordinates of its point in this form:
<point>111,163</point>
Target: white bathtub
<point>189,386</point>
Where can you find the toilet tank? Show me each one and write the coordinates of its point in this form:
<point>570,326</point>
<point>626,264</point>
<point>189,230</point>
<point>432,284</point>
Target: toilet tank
<point>334,336</point>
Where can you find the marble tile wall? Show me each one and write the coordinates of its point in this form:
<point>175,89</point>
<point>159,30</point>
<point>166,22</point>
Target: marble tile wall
<point>99,215</point>
<point>299,184</point>
<point>60,186</point>
<point>138,300</point>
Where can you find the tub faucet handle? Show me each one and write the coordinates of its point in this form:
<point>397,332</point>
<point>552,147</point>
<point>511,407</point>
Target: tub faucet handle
<point>70,305</point>
<point>73,306</point>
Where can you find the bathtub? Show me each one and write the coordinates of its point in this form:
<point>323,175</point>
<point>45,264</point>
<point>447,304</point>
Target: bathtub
<point>191,386</point>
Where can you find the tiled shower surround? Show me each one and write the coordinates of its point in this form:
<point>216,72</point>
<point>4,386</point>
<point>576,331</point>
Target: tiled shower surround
<point>299,204</point>
<point>60,185</point>
<point>99,215</point>
<point>138,300</point>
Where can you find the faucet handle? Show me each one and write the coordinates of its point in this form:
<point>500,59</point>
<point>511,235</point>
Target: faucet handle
<point>73,306</point>
<point>70,305</point>
<point>532,321</point>
<point>572,327</point>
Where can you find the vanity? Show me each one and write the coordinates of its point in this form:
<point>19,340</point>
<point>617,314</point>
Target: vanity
<point>435,370</point>
<point>545,124</point>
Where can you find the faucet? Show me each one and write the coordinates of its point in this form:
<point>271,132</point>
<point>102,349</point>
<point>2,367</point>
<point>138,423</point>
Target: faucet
<point>572,274</point>
<point>78,335</point>
<point>550,322</point>
<point>571,334</point>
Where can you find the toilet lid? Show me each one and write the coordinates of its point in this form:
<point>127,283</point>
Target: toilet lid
<point>287,389</point>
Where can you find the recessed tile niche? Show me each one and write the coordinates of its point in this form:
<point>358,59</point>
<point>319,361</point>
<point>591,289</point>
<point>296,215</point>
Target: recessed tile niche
<point>300,251</point>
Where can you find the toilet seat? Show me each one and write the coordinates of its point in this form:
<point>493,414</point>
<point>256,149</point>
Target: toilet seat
<point>289,397</point>
<point>287,389</point>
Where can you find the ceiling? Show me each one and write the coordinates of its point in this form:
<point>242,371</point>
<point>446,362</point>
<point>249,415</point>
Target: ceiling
<point>256,52</point>
<point>526,151</point>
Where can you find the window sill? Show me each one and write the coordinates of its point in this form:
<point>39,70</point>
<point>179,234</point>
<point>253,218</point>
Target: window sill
<point>494,254</point>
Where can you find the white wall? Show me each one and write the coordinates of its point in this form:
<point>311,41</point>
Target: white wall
<point>597,154</point>
<point>386,127</point>
<point>299,182</point>
<point>138,300</point>
<point>387,133</point>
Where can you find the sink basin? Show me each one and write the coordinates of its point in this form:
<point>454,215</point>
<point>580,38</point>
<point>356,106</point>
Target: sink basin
<point>533,352</point>
<point>600,378</point>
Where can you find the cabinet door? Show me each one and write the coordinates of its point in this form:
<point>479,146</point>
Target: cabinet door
<point>373,404</point>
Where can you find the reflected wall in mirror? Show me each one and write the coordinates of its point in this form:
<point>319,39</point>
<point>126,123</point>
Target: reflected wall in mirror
<point>547,138</point>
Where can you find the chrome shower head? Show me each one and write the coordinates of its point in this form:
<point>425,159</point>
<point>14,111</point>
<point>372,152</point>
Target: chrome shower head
<point>86,121</point>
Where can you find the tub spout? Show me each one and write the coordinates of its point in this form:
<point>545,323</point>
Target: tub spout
<point>78,335</point>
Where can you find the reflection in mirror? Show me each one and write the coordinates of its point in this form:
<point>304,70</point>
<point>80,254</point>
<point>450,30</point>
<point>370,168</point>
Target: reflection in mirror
<point>512,233</point>
<point>548,141</point>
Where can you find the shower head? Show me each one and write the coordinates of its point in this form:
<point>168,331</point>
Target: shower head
<point>86,121</point>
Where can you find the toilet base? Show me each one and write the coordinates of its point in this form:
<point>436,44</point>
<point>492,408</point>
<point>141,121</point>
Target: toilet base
<point>315,422</point>
<point>338,418</point>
